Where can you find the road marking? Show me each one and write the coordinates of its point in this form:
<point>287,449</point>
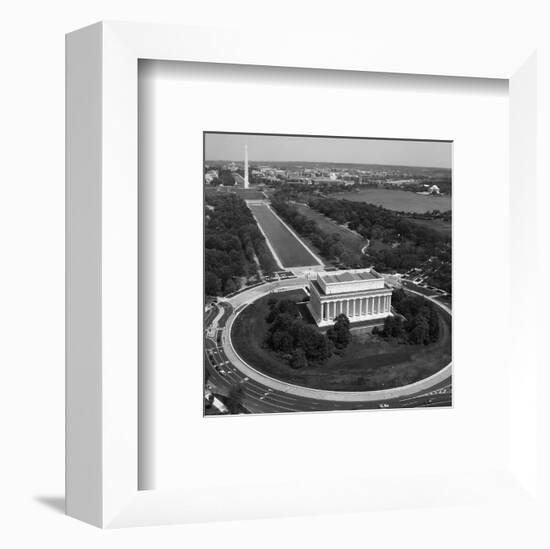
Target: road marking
<point>431,393</point>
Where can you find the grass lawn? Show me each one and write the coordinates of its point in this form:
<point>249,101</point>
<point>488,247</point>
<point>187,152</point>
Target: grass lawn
<point>398,200</point>
<point>369,362</point>
<point>351,241</point>
<point>439,225</point>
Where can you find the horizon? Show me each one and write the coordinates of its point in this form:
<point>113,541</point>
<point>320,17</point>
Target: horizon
<point>263,161</point>
<point>266,148</point>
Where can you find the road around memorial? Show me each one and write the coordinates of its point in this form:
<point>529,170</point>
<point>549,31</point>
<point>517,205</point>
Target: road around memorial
<point>261,393</point>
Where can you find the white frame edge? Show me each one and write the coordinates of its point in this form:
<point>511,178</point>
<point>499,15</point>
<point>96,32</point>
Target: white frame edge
<point>102,228</point>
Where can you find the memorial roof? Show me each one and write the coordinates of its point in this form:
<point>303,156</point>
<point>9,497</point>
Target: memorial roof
<point>349,276</point>
<point>347,294</point>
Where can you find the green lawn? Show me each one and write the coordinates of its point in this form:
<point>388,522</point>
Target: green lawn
<point>439,225</point>
<point>369,362</point>
<point>398,200</point>
<point>351,241</point>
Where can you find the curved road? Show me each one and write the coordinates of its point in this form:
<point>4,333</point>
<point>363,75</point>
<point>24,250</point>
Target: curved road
<point>262,393</point>
<point>305,392</point>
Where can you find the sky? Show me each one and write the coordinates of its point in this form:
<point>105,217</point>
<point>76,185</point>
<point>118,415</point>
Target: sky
<point>435,154</point>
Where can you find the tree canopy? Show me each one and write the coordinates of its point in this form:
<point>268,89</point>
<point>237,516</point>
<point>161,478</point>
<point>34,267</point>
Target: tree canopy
<point>299,342</point>
<point>233,242</point>
<point>417,323</point>
<point>405,244</point>
<point>340,334</point>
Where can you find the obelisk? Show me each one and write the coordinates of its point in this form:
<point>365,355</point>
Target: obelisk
<point>246,166</point>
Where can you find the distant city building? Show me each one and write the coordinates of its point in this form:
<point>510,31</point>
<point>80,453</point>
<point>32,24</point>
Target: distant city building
<point>325,180</point>
<point>434,189</point>
<point>299,181</point>
<point>400,182</point>
<point>360,294</point>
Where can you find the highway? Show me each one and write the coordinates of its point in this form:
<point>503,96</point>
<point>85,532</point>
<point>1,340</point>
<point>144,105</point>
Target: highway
<point>222,374</point>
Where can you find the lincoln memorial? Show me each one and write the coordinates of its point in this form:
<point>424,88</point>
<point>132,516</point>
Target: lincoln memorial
<point>360,294</point>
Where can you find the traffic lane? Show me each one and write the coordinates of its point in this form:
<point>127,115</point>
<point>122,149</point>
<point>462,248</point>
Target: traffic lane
<point>210,315</point>
<point>420,289</point>
<point>227,310</point>
<point>298,403</point>
<point>263,398</point>
<point>258,291</point>
<point>264,394</point>
<point>254,391</point>
<point>260,398</point>
<point>439,401</point>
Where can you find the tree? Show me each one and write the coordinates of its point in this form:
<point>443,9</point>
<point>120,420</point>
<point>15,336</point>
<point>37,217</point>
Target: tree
<point>281,341</point>
<point>303,344</point>
<point>433,325</point>
<point>232,241</point>
<point>420,332</point>
<point>298,359</point>
<point>227,178</point>
<point>340,333</point>
<point>229,286</point>
<point>283,322</point>
<point>393,326</point>
<point>316,345</point>
<point>212,284</point>
<point>415,243</point>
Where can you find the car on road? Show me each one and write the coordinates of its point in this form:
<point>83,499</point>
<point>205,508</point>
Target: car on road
<point>384,405</point>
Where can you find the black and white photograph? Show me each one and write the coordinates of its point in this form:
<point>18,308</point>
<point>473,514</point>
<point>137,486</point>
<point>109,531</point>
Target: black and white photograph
<point>327,273</point>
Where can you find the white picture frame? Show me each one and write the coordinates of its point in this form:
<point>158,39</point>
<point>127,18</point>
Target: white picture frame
<point>102,413</point>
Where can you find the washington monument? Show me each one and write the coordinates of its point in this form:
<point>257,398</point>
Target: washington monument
<point>246,166</point>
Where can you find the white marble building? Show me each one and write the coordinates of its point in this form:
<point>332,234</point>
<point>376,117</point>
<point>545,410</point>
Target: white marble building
<point>360,294</point>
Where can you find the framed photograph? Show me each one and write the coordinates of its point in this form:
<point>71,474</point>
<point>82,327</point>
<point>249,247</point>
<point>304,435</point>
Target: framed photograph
<point>299,277</point>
